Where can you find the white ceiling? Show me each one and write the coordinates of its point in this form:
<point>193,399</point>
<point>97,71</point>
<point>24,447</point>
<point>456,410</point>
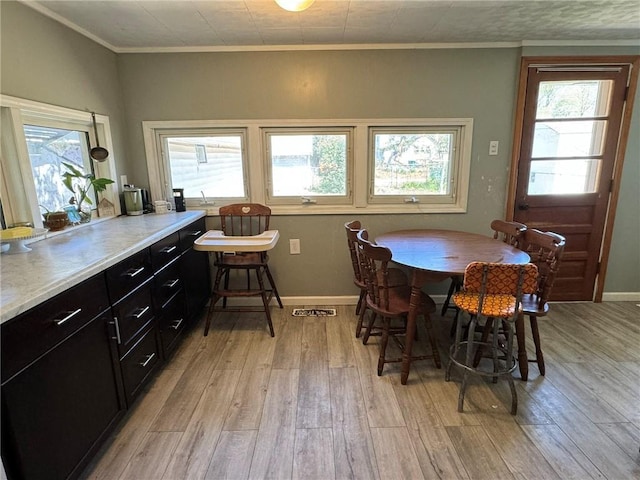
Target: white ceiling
<point>127,26</point>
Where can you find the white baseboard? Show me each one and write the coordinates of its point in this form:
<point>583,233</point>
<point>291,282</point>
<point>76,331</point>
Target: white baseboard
<point>621,297</point>
<point>346,300</point>
<point>327,301</point>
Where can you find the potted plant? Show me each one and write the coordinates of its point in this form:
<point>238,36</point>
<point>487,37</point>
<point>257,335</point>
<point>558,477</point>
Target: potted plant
<point>79,184</point>
<point>55,220</point>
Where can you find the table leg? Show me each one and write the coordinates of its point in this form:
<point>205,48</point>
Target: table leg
<point>418,279</point>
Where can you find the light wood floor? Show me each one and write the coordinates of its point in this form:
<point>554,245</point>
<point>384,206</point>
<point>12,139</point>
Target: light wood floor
<point>308,404</point>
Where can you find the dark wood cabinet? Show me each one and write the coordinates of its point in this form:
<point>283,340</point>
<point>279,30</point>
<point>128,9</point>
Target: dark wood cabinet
<point>58,406</point>
<point>73,364</point>
<point>195,269</point>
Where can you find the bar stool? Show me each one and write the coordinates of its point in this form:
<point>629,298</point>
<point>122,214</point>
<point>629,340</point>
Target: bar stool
<point>493,291</point>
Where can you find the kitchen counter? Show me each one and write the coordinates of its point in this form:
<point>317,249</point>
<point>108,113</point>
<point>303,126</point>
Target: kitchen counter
<point>60,262</point>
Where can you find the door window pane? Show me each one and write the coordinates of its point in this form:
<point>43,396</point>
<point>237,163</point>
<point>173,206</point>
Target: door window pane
<point>557,177</point>
<point>568,138</point>
<point>573,99</point>
<point>48,148</point>
<point>412,163</point>
<point>210,165</point>
<point>308,164</point>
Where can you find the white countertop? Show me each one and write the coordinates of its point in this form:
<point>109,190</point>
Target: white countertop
<point>58,263</point>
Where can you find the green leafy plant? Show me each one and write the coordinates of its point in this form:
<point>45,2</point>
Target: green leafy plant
<point>79,183</point>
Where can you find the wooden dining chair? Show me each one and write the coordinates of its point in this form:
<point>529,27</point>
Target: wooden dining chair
<point>396,276</point>
<point>244,219</point>
<point>546,250</point>
<point>391,303</point>
<point>507,231</point>
<point>490,291</point>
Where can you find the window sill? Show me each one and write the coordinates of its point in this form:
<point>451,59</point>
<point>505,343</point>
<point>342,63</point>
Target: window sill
<point>347,209</point>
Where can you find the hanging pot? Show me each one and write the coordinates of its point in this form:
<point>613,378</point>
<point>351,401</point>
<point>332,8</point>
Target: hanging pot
<point>98,153</point>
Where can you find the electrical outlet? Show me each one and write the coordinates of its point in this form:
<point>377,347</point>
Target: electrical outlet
<point>493,147</point>
<point>294,246</point>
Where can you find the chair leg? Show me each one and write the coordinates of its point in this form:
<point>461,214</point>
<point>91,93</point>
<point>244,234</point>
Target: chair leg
<point>536,340</point>
<point>432,340</point>
<point>367,332</point>
<point>454,351</point>
<point>213,300</point>
<point>360,304</point>
<point>454,323</point>
<point>445,305</point>
<point>523,362</point>
<point>273,285</point>
<point>265,302</point>
<point>485,336</point>
<point>227,273</point>
<point>363,309</point>
<point>509,363</point>
<point>383,343</point>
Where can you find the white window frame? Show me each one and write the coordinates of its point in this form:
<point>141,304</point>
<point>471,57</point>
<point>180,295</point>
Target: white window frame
<point>163,179</point>
<point>360,180</point>
<point>454,163</point>
<point>19,201</point>
<point>307,200</point>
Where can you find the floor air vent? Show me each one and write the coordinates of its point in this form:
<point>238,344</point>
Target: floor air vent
<point>314,312</point>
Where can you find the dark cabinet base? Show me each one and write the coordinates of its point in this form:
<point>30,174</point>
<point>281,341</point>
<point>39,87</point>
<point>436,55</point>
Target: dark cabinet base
<point>58,409</point>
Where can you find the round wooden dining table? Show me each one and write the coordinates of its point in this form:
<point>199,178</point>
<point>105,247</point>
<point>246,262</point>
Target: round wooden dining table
<point>434,255</point>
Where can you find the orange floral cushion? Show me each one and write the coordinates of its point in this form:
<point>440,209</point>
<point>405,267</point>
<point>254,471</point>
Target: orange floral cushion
<point>497,284</point>
<point>502,306</point>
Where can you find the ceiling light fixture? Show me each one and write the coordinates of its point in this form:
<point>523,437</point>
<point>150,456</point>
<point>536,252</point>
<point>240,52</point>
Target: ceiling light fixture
<point>295,5</point>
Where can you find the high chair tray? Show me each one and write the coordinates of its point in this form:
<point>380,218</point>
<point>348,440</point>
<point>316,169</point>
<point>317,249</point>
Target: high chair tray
<point>217,241</point>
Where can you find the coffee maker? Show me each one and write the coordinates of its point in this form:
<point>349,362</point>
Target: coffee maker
<point>178,198</point>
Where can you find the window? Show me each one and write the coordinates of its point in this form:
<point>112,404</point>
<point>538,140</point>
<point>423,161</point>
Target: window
<point>49,148</point>
<point>314,166</point>
<point>308,166</point>
<point>412,164</point>
<point>36,139</point>
<point>209,165</point>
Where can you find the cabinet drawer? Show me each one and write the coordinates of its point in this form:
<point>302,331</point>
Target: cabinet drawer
<point>128,274</point>
<point>133,313</point>
<point>172,321</point>
<point>166,284</point>
<point>164,251</point>
<point>138,363</point>
<point>189,233</point>
<point>33,333</point>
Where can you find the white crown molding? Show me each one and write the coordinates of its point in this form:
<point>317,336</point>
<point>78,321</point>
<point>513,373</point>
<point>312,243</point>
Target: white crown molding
<point>45,11</point>
<point>328,47</point>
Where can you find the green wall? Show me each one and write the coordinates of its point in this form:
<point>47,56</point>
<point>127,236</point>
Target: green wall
<point>44,61</point>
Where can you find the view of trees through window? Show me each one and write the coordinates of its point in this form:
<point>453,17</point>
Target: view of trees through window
<point>412,163</point>
<point>567,134</point>
<point>48,149</point>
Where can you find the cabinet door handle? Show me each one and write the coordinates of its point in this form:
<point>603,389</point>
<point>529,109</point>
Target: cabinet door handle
<point>176,323</point>
<point>141,312</point>
<point>196,233</point>
<point>133,272</point>
<point>68,317</point>
<point>171,283</point>
<point>149,358</point>
<point>115,324</point>
<point>168,249</point>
